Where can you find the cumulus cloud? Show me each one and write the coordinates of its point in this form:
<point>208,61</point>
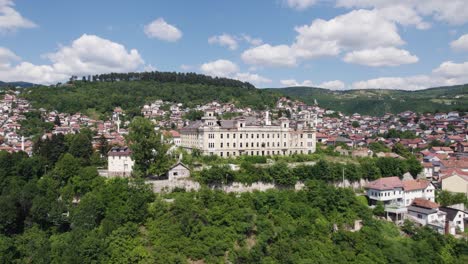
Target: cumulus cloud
<point>219,68</point>
<point>10,19</point>
<point>293,82</point>
<point>356,30</point>
<point>160,29</point>
<point>381,57</point>
<point>300,4</point>
<point>448,73</point>
<point>453,11</point>
<point>251,40</point>
<point>251,78</point>
<point>333,85</point>
<point>267,55</point>
<point>228,69</point>
<point>225,40</point>
<point>461,44</point>
<point>89,54</point>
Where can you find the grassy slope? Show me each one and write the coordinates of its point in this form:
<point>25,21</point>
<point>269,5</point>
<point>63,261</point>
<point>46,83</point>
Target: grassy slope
<point>377,102</point>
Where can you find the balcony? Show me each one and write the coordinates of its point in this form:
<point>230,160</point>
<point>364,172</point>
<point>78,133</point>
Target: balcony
<point>396,208</point>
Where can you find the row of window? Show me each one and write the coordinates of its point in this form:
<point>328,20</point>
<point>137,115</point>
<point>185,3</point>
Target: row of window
<point>257,135</point>
<point>379,194</point>
<point>263,153</point>
<point>258,144</point>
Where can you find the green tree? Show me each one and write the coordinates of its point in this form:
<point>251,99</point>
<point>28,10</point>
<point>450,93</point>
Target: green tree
<point>355,124</point>
<point>148,151</point>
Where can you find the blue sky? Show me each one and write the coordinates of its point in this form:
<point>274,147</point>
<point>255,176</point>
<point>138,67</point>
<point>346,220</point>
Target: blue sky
<point>337,44</point>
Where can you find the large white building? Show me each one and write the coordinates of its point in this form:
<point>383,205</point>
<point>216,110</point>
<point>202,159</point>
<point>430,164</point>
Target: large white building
<point>250,136</point>
<point>120,163</point>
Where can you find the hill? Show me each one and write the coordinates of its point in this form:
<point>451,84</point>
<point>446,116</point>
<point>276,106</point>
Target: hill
<point>17,84</point>
<point>378,101</point>
<point>103,96</point>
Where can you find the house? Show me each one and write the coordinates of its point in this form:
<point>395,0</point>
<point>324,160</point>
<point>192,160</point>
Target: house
<point>427,213</point>
<point>414,189</point>
<point>178,171</point>
<point>456,218</point>
<point>120,163</point>
<point>457,183</point>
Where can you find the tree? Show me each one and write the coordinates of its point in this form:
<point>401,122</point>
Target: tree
<point>57,121</point>
<point>81,147</point>
<point>148,151</point>
<point>355,124</point>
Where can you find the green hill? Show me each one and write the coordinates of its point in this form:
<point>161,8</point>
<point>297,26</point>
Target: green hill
<point>378,101</point>
<point>131,90</point>
<point>102,97</point>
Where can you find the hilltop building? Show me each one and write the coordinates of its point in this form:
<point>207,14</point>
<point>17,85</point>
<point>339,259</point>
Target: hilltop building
<point>120,163</point>
<point>250,136</point>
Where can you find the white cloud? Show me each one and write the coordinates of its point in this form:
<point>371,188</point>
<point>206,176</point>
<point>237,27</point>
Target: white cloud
<point>281,55</point>
<point>185,67</point>
<point>6,57</point>
<point>224,40</point>
<point>333,85</point>
<point>356,30</point>
<point>160,29</point>
<point>453,11</point>
<point>450,69</point>
<point>448,73</point>
<point>10,19</point>
<point>252,78</point>
<point>228,69</point>
<point>381,57</point>
<point>293,82</point>
<point>86,55</point>
<point>300,4</point>
<point>219,68</point>
<point>149,68</point>
<point>251,40</point>
<point>460,44</point>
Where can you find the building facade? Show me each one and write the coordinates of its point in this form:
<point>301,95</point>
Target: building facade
<point>250,136</point>
<point>120,163</point>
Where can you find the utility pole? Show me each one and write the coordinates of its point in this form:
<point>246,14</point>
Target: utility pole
<point>343,177</point>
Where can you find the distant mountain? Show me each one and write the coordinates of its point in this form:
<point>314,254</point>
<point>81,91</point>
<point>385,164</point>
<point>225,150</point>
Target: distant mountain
<point>17,84</point>
<point>380,101</point>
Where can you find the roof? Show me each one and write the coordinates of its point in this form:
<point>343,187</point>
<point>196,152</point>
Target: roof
<point>119,151</point>
<point>451,212</point>
<point>177,164</point>
<point>419,184</point>
<point>420,202</point>
<point>387,183</point>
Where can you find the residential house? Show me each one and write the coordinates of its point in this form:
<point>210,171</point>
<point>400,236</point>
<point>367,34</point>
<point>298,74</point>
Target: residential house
<point>427,213</point>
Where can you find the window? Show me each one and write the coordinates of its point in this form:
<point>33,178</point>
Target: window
<point>221,145</point>
<point>258,135</point>
<point>233,135</point>
<point>284,135</point>
<point>227,135</point>
<point>240,135</point>
<point>221,135</point>
<point>302,135</point>
<point>263,135</point>
<point>268,135</point>
<point>240,144</point>
<point>420,216</point>
<point>309,135</point>
<point>221,154</point>
<point>234,144</point>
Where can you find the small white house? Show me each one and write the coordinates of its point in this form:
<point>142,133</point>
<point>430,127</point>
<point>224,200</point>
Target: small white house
<point>456,218</point>
<point>427,213</point>
<point>178,171</point>
<point>120,163</point>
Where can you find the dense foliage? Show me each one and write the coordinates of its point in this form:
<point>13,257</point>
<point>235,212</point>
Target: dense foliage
<point>380,101</point>
<point>282,175</point>
<point>103,97</point>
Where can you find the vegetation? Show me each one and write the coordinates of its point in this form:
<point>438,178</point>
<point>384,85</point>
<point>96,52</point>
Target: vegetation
<point>102,97</point>
<point>379,102</point>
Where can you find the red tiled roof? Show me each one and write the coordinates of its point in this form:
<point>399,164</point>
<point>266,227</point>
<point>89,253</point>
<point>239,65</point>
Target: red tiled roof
<point>419,184</point>
<point>420,202</point>
<point>387,183</point>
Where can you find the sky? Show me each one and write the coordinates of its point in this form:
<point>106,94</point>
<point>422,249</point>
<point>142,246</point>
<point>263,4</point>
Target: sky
<point>335,44</point>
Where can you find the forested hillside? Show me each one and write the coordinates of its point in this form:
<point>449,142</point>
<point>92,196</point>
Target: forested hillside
<point>132,95</point>
<point>63,212</point>
<point>378,102</point>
